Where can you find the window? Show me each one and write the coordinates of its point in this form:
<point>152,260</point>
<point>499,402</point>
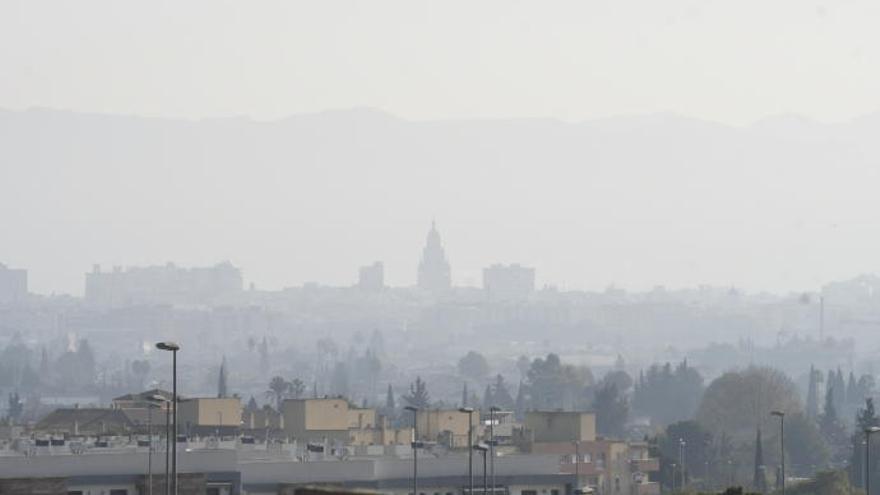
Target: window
<point>212,490</point>
<point>554,492</point>
<point>75,492</point>
<point>529,492</point>
<point>119,492</point>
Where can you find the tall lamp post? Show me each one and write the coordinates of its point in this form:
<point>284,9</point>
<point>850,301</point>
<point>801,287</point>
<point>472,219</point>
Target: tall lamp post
<point>781,416</point>
<point>868,432</point>
<point>492,443</point>
<point>415,446</point>
<point>470,413</point>
<point>173,348</point>
<point>153,402</point>
<point>577,467</point>
<point>484,449</point>
<point>681,445</point>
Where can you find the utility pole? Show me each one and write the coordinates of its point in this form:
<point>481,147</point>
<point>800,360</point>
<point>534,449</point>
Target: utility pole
<point>470,413</point>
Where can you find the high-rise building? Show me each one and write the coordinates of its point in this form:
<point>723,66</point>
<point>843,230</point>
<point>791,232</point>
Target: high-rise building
<point>434,272</point>
<point>372,277</point>
<point>13,284</point>
<point>168,284</point>
<point>511,282</point>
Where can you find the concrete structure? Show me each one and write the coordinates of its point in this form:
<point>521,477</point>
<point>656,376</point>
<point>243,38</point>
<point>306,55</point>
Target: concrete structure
<point>142,400</point>
<point>609,466</point>
<point>316,419</point>
<point>515,475</point>
<point>13,284</point>
<point>447,426</point>
<point>169,285</point>
<point>372,277</point>
<point>560,426</point>
<point>508,283</point>
<point>86,421</point>
<point>335,420</point>
<point>207,416</point>
<point>434,271</point>
<point>116,472</point>
<point>233,471</point>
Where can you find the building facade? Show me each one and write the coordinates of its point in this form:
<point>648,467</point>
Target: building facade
<point>13,284</point>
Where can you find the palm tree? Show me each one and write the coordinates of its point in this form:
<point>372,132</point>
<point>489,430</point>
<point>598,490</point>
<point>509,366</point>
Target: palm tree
<point>278,388</point>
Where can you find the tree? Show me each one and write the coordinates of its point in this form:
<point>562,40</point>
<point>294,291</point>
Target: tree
<point>760,479</point>
<point>520,406</point>
<point>390,404</point>
<point>865,418</point>
<point>497,395</point>
<point>552,385</point>
<point>473,365</point>
<point>278,388</point>
<point>418,394</point>
<point>252,405</point>
<point>264,356</point>
<point>668,395</point>
<point>297,388</point>
<point>698,448</point>
<point>368,367</point>
<point>824,483</point>
<point>140,369</point>
<point>522,365</point>
<point>612,410</point>
<point>340,380</point>
<point>15,407</point>
<point>221,380</point>
<point>738,401</point>
<point>833,430</point>
<point>804,446</point>
<point>620,379</point>
<point>812,407</point>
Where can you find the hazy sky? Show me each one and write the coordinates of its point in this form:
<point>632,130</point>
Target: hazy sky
<point>730,61</point>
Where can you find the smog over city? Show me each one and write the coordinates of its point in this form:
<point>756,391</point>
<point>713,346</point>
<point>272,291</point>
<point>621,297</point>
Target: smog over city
<point>439,248</point>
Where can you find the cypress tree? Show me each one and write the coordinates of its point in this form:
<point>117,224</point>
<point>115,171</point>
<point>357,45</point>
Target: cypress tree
<point>221,381</point>
<point>813,395</point>
<point>760,479</point>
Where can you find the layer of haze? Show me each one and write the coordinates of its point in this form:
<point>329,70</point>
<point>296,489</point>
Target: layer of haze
<point>786,204</point>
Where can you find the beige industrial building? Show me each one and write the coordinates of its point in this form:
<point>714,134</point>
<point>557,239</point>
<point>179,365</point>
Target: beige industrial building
<point>447,426</point>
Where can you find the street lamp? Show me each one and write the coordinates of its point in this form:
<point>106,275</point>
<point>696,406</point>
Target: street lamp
<point>162,398</point>
<point>415,445</point>
<point>781,416</point>
<point>673,477</point>
<point>681,445</point>
<point>173,348</point>
<point>470,413</point>
<point>577,467</point>
<point>484,449</point>
<point>868,432</point>
<point>153,402</point>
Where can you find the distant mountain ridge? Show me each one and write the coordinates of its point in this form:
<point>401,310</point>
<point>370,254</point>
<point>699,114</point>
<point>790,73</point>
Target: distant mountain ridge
<point>633,200</point>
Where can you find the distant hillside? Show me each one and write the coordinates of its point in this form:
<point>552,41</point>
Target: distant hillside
<point>636,200</point>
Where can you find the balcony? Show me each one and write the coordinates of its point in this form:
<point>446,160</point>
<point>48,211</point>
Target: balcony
<point>645,465</point>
